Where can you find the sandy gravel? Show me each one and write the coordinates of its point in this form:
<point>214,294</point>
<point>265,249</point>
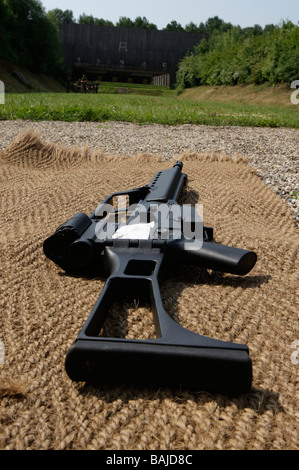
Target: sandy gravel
<point>272,152</point>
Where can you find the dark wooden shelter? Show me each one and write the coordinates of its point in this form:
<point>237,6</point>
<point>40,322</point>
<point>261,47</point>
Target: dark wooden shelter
<point>125,54</point>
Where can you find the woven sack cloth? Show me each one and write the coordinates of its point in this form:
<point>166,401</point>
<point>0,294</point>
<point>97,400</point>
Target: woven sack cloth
<point>43,309</point>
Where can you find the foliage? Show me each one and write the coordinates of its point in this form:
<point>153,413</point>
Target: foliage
<point>139,22</point>
<point>233,55</point>
<point>174,26</point>
<point>29,38</point>
<point>89,19</point>
<point>59,16</point>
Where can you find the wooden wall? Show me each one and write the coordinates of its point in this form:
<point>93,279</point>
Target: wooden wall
<point>150,51</point>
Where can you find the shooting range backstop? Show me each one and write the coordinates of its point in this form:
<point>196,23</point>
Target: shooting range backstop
<point>125,54</point>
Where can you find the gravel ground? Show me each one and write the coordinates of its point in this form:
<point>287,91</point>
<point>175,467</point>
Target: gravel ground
<point>272,152</point>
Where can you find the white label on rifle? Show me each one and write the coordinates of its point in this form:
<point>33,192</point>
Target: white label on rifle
<point>135,231</point>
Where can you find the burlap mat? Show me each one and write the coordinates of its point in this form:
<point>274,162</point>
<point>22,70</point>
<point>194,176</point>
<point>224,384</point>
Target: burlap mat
<point>43,310</point>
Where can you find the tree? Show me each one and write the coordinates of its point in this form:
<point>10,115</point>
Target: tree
<point>216,24</point>
<point>174,26</point>
<point>86,19</point>
<point>102,22</point>
<point>143,23</point>
<point>33,39</point>
<point>269,28</point>
<point>139,22</point>
<point>191,28</point>
<point>124,22</point>
<point>6,51</point>
<point>89,19</point>
<point>213,24</point>
<point>59,16</point>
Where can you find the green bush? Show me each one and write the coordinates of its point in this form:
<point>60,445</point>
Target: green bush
<point>243,56</point>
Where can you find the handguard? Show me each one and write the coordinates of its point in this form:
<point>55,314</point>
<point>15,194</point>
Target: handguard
<point>135,268</point>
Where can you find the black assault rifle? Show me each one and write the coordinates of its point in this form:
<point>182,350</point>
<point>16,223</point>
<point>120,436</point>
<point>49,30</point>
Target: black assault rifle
<point>138,244</point>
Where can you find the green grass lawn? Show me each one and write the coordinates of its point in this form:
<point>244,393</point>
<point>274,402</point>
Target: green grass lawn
<point>163,108</point>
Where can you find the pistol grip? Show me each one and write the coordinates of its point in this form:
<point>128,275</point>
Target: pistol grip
<point>214,256</point>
